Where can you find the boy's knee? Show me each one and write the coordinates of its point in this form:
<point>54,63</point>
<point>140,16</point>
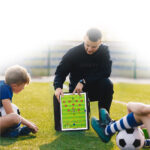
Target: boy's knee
<point>15,118</point>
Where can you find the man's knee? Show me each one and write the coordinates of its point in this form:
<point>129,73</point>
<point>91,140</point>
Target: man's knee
<point>107,84</point>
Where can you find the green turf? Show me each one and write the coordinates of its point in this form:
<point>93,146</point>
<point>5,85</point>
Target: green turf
<point>36,104</point>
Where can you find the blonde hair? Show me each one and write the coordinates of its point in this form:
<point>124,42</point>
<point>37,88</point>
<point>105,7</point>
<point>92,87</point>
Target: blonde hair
<point>17,74</point>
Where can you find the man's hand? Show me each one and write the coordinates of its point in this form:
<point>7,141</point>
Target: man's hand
<point>58,92</point>
<point>78,88</point>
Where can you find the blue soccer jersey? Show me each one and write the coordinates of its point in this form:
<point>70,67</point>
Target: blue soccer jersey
<point>5,92</point>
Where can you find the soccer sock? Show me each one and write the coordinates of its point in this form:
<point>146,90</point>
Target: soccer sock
<point>126,122</point>
<point>16,126</point>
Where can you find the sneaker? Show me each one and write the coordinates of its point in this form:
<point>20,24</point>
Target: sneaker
<point>24,131</point>
<point>146,143</point>
<point>104,116</point>
<point>11,134</point>
<point>100,129</point>
<point>14,133</point>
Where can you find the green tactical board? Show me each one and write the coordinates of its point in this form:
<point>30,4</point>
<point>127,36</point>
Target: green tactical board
<point>74,115</point>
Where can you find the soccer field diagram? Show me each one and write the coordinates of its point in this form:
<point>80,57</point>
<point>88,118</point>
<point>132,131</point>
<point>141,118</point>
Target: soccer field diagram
<point>74,112</point>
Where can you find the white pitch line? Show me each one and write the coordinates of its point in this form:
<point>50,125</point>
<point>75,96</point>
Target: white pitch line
<point>119,102</point>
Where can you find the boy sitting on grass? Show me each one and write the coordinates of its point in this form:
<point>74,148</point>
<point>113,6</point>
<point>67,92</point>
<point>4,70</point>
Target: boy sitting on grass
<point>16,77</point>
<point>138,114</point>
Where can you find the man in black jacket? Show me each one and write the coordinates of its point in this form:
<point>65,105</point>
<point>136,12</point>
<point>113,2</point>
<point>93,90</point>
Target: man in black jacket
<point>89,67</point>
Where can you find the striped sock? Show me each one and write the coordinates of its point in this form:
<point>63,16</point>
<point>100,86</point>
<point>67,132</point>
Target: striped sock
<point>16,126</point>
<point>126,122</point>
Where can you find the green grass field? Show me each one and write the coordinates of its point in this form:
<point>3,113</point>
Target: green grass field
<point>36,105</point>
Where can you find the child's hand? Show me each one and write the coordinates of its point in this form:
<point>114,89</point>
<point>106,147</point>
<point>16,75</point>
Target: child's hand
<point>33,127</point>
<point>29,124</point>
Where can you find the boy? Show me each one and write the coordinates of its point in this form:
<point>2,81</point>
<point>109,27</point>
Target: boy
<point>138,114</point>
<point>16,77</point>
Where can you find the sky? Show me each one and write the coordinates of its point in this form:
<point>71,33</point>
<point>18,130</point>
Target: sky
<point>30,25</point>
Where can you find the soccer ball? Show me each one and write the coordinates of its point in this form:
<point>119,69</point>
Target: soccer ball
<point>130,139</point>
<point>15,108</point>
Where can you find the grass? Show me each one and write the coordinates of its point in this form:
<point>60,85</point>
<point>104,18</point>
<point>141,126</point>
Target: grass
<point>36,104</point>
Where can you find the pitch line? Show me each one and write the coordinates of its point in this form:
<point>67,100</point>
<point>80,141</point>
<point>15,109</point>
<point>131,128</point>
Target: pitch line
<point>123,103</point>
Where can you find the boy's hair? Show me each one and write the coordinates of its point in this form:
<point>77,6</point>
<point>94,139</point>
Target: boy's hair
<point>94,34</point>
<point>17,74</point>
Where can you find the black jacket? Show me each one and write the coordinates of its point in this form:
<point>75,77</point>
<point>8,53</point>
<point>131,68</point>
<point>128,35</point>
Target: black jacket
<point>80,65</point>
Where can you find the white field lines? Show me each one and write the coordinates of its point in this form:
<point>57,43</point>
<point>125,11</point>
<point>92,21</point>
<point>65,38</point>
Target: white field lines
<point>123,103</point>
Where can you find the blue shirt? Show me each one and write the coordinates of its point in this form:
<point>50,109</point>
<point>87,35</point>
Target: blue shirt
<point>5,92</point>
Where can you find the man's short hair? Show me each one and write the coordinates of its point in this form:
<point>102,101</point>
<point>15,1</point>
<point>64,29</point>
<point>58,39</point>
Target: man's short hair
<point>17,75</point>
<point>94,34</point>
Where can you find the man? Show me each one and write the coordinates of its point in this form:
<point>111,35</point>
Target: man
<point>89,67</point>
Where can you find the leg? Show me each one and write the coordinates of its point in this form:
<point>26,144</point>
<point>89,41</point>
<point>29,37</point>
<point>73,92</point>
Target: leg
<point>100,125</point>
<point>106,87</point>
<point>105,129</point>
<point>56,113</point>
<point>127,122</point>
<point>145,120</point>
<point>8,121</point>
<point>102,91</point>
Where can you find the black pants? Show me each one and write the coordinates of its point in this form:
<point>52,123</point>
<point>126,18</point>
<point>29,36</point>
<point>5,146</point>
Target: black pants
<point>101,91</point>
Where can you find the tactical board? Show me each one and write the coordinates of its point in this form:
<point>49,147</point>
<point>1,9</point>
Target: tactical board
<point>74,114</point>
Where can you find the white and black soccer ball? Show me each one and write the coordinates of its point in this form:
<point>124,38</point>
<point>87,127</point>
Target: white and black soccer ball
<point>15,108</point>
<point>130,139</point>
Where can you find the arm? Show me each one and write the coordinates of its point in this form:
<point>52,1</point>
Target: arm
<point>138,108</point>
<point>62,71</point>
<point>29,124</point>
<point>104,66</point>
<point>106,63</point>
<point>7,106</point>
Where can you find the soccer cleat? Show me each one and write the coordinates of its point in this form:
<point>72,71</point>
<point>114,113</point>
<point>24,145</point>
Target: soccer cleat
<point>104,116</point>
<point>11,134</point>
<point>24,131</point>
<point>14,133</point>
<point>146,143</point>
<point>100,129</point>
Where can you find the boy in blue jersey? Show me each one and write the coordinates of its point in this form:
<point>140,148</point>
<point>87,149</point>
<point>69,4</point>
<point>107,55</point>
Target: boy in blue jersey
<point>16,77</point>
<point>138,114</point>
